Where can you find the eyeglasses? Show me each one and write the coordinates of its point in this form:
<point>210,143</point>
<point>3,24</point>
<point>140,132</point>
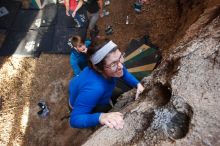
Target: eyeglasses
<point>114,65</point>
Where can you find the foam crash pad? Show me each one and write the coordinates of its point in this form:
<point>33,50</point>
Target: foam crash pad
<point>27,44</point>
<point>141,58</point>
<point>33,19</point>
<point>60,40</point>
<point>8,10</point>
<point>27,19</point>
<point>39,4</point>
<point>49,15</point>
<point>64,21</point>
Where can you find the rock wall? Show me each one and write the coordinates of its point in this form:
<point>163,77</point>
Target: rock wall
<point>180,105</point>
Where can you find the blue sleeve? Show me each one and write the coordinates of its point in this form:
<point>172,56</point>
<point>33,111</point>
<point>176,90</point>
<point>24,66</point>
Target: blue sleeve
<point>88,43</point>
<point>81,116</point>
<point>74,64</point>
<point>129,78</point>
<point>71,92</point>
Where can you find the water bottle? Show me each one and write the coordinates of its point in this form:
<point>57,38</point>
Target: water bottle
<point>127,22</point>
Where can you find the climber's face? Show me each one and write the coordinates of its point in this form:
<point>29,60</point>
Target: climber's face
<point>82,48</point>
<point>114,64</point>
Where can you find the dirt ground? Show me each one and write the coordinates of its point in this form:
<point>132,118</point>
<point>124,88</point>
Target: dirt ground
<point>26,81</point>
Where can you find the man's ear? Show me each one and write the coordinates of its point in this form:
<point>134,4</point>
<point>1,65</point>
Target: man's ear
<point>98,70</point>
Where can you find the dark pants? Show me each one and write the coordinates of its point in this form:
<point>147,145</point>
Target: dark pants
<point>78,19</point>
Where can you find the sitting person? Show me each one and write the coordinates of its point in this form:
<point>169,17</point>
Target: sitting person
<point>90,92</point>
<point>78,59</point>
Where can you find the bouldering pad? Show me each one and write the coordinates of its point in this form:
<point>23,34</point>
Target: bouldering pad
<point>27,44</point>
<point>9,11</point>
<point>33,19</point>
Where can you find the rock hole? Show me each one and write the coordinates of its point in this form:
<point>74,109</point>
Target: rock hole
<point>182,106</point>
<point>160,94</point>
<point>178,126</point>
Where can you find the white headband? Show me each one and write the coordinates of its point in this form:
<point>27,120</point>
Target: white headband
<point>101,53</point>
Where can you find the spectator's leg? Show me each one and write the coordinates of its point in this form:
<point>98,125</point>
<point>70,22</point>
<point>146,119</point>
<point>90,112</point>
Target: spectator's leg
<point>92,21</point>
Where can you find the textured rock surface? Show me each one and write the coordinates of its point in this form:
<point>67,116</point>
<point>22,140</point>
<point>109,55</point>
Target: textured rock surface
<point>180,105</point>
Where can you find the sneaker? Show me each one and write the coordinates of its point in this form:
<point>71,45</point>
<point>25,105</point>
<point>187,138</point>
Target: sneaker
<point>109,30</point>
<point>105,13</point>
<point>44,111</point>
<point>137,10</point>
<point>107,2</point>
<point>137,7</point>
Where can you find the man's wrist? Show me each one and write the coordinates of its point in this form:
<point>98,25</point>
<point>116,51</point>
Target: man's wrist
<point>100,118</point>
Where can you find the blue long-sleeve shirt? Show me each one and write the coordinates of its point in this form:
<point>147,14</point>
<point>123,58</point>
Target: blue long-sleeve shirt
<point>78,60</point>
<point>90,89</point>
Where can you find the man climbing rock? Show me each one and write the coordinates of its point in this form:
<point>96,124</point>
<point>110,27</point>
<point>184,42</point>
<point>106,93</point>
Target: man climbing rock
<point>91,91</point>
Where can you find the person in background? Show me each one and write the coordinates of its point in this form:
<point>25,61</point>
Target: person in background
<point>72,7</point>
<point>90,92</point>
<point>94,11</point>
<point>78,59</point>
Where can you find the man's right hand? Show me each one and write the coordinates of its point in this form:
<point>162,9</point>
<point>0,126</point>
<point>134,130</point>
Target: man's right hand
<point>112,120</point>
<point>67,12</point>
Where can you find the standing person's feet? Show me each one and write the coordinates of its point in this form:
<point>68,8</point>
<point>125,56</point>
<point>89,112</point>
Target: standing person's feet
<point>109,30</point>
<point>105,13</point>
<point>107,2</point>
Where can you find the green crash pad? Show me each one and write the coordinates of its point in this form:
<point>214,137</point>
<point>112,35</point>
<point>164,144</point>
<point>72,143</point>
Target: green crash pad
<point>142,61</point>
<point>141,58</point>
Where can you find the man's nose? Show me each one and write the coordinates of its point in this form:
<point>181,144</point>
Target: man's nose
<point>120,65</point>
